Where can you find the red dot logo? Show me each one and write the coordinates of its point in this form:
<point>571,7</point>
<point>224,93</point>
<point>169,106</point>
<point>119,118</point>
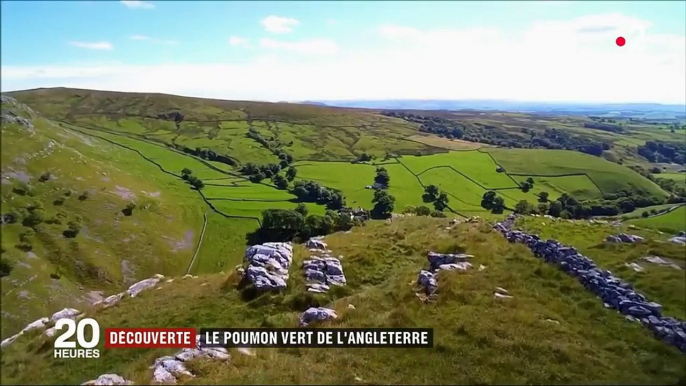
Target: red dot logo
<point>621,41</point>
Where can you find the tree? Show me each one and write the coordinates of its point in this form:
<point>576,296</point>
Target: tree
<point>281,224</point>
<point>257,177</point>
<point>382,177</point>
<point>526,186</point>
<point>198,184</point>
<point>384,204</point>
<point>487,200</point>
<point>280,181</point>
<point>498,205</point>
<point>543,197</point>
<point>645,214</point>
<point>185,173</point>
<point>523,207</point>
<point>291,173</point>
<point>441,202</point>
<point>302,209</point>
<point>430,193</point>
<point>423,211</point>
<point>555,209</point>
<point>530,181</point>
<point>6,267</point>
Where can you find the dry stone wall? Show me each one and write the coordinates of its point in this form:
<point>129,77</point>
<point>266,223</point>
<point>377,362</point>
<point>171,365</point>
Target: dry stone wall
<point>614,292</point>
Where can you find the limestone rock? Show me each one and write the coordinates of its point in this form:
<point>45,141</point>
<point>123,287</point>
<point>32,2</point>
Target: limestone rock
<point>428,281</point>
<point>268,265</point>
<point>141,286</point>
<point>108,379</point>
<point>314,314</point>
<point>68,313</point>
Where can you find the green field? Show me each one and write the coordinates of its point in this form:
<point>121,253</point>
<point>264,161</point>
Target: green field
<point>672,222</point>
<point>680,177</point>
<point>608,176</point>
<point>581,187</point>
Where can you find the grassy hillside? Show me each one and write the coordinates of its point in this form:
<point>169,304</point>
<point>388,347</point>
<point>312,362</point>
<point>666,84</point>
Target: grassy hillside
<point>672,222</point>
<point>308,132</point>
<point>478,339</point>
<point>53,176</point>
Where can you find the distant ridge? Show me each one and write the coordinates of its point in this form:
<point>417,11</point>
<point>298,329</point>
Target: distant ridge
<point>642,110</point>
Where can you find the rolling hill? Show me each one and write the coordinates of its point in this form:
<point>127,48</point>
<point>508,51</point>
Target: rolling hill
<point>96,195</point>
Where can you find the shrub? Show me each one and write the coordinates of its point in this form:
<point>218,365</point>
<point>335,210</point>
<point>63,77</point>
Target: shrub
<point>6,267</point>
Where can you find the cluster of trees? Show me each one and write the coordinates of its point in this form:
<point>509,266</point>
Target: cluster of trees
<point>604,126</point>
<point>384,204</point>
<point>257,173</point>
<point>439,199</point>
<point>662,151</point>
<point>382,178</point>
<point>569,207</point>
<point>494,203</point>
<point>207,154</point>
<point>492,135</point>
<point>187,175</point>
<point>310,191</point>
<point>364,157</point>
<point>527,185</point>
<point>297,225</point>
<point>273,145</point>
<point>677,189</point>
<point>435,125</point>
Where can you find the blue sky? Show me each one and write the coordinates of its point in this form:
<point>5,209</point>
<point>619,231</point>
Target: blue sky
<point>544,50</point>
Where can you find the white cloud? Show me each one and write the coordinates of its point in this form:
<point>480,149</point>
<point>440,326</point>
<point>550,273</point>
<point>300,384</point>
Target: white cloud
<point>237,41</point>
<point>563,60</point>
<point>278,24</point>
<point>93,46</point>
<point>138,4</point>
<point>314,46</point>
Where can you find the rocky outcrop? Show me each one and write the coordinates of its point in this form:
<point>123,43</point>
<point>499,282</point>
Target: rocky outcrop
<point>679,239</point>
<point>74,314</point>
<point>9,115</point>
<point>624,238</point>
<point>316,314</point>
<point>268,265</point>
<point>108,379</point>
<point>168,369</point>
<point>323,272</point>
<point>441,262</point>
<point>316,243</point>
<point>614,292</point>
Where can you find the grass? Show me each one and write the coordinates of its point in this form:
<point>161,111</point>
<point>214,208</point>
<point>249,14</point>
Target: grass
<point>608,176</point>
<point>478,340</point>
<point>450,144</point>
<point>672,222</point>
<point>112,249</point>
<point>679,177</point>
<point>664,285</point>
<point>581,187</point>
<point>475,165</point>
